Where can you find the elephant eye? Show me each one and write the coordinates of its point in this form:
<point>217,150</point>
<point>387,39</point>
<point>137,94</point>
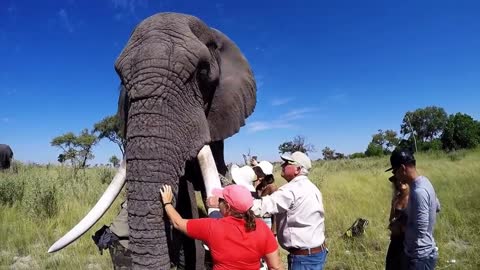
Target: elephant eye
<point>203,71</point>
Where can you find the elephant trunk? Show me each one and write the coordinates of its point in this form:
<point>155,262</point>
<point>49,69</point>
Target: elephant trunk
<point>161,139</point>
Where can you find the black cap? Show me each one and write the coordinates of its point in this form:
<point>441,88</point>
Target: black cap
<point>401,157</point>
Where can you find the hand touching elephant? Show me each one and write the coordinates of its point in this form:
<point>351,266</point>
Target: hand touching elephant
<point>185,85</point>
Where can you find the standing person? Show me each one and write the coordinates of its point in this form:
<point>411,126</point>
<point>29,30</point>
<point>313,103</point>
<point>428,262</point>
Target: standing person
<point>265,185</point>
<point>396,259</point>
<point>237,240</point>
<point>420,249</point>
<point>299,214</point>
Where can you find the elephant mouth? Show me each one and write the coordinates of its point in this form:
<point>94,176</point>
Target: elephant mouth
<point>209,174</point>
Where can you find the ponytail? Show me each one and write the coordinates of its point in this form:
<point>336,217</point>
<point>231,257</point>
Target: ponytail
<point>249,218</point>
<point>250,224</point>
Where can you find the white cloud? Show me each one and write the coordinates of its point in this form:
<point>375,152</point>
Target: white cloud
<point>280,101</point>
<point>65,21</point>
<point>128,8</point>
<point>264,125</point>
<point>298,113</point>
<point>283,122</point>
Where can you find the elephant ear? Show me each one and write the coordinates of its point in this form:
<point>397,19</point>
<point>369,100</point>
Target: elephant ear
<point>235,97</point>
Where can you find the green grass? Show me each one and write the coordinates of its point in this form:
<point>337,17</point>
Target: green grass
<point>39,204</point>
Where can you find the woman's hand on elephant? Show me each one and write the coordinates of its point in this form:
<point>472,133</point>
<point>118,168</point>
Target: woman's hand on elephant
<point>212,202</point>
<point>166,194</point>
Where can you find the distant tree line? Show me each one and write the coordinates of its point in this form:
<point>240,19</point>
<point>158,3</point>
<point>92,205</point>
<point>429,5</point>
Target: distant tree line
<point>424,129</point>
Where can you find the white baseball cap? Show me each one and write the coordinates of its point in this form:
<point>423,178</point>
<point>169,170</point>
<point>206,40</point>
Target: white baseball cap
<point>298,158</point>
<point>243,176</point>
<point>265,166</point>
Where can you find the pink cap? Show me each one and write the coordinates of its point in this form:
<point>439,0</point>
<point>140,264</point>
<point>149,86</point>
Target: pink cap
<point>238,197</point>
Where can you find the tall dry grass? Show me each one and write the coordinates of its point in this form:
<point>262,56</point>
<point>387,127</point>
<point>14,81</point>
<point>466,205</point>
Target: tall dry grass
<point>39,204</point>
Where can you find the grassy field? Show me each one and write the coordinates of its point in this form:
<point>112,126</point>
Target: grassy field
<point>39,204</point>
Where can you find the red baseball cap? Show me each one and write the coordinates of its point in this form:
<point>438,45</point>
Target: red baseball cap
<point>238,197</point>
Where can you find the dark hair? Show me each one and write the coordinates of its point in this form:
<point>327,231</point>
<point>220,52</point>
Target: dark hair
<point>249,218</point>
<point>267,180</point>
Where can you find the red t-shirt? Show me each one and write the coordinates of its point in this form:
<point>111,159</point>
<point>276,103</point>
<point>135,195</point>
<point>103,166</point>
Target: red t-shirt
<point>230,245</point>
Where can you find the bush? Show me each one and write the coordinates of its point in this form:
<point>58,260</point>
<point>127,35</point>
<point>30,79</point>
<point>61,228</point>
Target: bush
<point>11,189</point>
<point>106,175</point>
<point>432,145</point>
<point>40,199</point>
<point>357,155</point>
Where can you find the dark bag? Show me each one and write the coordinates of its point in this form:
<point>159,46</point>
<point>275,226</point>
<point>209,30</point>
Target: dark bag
<point>104,238</point>
<point>357,229</point>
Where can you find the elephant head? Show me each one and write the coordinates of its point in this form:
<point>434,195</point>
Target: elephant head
<point>6,156</point>
<point>185,85</point>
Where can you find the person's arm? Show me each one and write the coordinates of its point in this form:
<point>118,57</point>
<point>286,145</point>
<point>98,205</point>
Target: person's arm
<point>420,206</point>
<point>273,260</point>
<point>167,197</point>
<point>279,202</point>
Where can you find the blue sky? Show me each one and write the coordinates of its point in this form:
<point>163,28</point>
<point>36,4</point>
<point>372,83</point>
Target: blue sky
<point>332,71</point>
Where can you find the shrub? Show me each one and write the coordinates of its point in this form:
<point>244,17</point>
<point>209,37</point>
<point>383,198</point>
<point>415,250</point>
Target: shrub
<point>106,175</point>
<point>357,155</point>
<point>11,189</point>
<point>40,199</point>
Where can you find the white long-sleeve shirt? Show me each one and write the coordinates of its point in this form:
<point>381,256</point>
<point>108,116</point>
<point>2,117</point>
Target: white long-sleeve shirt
<point>299,213</point>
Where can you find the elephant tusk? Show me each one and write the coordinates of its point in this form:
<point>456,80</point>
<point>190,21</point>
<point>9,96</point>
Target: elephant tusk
<point>97,211</point>
<point>209,171</point>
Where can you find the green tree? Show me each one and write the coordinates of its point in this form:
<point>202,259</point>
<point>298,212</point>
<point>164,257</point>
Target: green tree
<point>387,140</point>
<point>374,150</point>
<point>328,154</point>
<point>77,149</point>
<point>297,144</point>
<point>461,131</point>
<point>427,123</point>
<point>110,128</point>
<point>114,160</point>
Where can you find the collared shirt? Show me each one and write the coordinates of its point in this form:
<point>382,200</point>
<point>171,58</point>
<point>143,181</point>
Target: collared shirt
<point>422,208</point>
<point>299,213</point>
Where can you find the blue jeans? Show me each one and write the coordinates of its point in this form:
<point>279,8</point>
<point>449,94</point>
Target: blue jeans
<point>427,263</point>
<point>307,262</point>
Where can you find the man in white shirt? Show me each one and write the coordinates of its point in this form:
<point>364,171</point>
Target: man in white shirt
<point>299,214</point>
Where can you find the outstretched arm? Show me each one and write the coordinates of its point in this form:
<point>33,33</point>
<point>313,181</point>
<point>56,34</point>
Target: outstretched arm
<point>167,197</point>
<point>273,260</point>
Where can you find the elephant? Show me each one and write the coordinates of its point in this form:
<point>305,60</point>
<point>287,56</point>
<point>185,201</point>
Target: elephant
<point>186,88</point>
<point>6,156</point>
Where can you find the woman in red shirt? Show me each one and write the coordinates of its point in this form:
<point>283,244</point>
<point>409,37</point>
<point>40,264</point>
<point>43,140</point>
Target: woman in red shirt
<point>236,241</point>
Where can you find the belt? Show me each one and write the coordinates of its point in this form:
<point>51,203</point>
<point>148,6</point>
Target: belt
<point>308,251</point>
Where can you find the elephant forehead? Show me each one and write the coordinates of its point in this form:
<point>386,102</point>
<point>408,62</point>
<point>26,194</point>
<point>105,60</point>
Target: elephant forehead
<point>163,44</point>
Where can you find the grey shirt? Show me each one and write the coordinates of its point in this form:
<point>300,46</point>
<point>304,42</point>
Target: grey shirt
<point>299,213</point>
<point>422,208</point>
